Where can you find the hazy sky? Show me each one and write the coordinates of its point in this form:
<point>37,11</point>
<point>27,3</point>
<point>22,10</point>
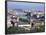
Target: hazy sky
<point>22,5</point>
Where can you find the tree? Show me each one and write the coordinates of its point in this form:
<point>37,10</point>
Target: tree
<point>13,23</point>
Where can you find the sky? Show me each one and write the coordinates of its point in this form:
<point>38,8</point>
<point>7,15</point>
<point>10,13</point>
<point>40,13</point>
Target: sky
<point>22,5</point>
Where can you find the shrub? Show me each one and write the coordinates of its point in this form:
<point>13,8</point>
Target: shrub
<point>12,30</point>
<point>41,29</point>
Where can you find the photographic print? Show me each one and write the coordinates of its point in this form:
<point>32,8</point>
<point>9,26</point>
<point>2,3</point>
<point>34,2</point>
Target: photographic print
<point>25,17</point>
